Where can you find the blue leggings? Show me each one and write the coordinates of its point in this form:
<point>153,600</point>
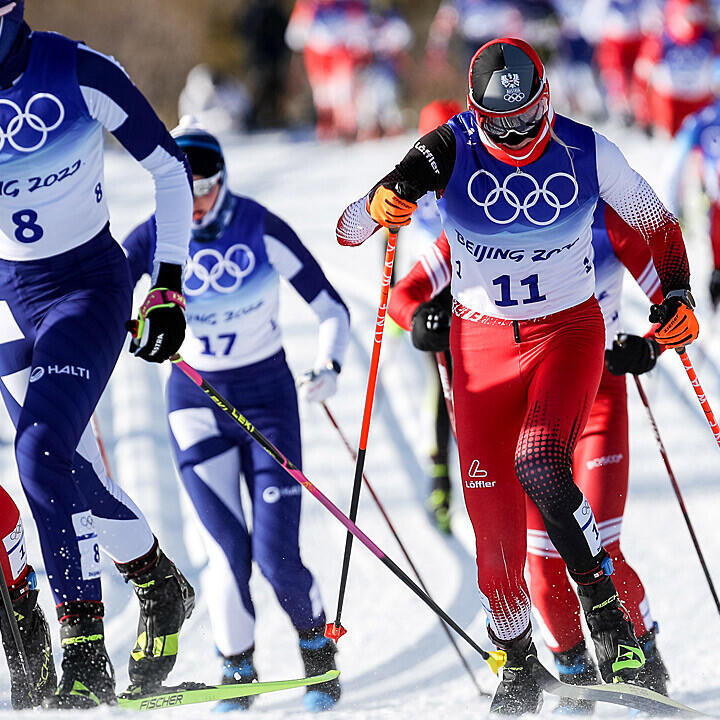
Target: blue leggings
<point>62,325</point>
<point>212,451</point>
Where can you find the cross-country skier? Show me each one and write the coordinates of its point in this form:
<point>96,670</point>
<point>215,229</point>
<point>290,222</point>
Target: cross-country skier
<point>601,459</point>
<point>699,134</point>
<point>21,582</point>
<point>673,72</point>
<point>518,186</point>
<point>238,252</point>
<point>65,296</point>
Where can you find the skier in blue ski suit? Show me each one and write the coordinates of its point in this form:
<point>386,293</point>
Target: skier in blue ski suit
<point>65,297</point>
<point>238,252</point>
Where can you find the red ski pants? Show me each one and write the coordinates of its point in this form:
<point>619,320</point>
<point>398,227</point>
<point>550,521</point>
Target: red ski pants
<point>13,558</point>
<point>600,468</point>
<point>523,392</point>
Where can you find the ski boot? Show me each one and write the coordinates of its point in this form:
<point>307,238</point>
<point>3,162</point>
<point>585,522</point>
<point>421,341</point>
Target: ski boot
<point>653,675</point>
<point>576,667</point>
<point>618,652</point>
<point>439,500</point>
<point>166,601</point>
<point>35,637</point>
<point>517,692</point>
<point>318,656</point>
<point>88,679</point>
<point>238,669</point>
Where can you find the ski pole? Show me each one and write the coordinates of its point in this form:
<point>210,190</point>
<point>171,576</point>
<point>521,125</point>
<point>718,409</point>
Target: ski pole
<point>495,658</point>
<point>101,445</point>
<point>27,686</point>
<point>335,630</point>
<point>444,363</point>
<point>704,404</point>
<point>404,551</point>
<point>676,488</point>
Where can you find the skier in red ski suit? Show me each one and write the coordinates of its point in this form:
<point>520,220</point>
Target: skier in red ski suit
<point>601,460</point>
<point>518,186</point>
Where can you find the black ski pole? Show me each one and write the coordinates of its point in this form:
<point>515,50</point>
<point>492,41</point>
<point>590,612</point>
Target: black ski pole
<point>676,488</point>
<point>22,657</point>
<point>404,551</point>
<point>495,658</point>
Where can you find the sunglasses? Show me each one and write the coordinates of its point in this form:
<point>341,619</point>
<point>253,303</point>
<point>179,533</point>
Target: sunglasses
<point>202,186</point>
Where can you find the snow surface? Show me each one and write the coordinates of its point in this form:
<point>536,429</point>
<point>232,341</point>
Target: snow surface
<point>395,660</point>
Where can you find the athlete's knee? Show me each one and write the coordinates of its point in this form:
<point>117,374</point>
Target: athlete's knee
<point>39,445</point>
<point>544,470</point>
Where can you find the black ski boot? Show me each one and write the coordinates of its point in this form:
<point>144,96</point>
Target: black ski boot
<point>653,675</point>
<point>517,692</point>
<point>166,601</point>
<point>35,637</point>
<point>88,679</point>
<point>618,652</point>
<point>238,669</point>
<point>318,656</point>
<point>576,667</point>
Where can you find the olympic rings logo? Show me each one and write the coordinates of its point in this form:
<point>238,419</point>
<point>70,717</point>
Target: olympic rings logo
<point>514,96</point>
<point>208,267</point>
<point>34,122</point>
<point>530,201</point>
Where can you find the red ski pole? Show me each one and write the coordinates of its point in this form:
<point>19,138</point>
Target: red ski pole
<point>101,445</point>
<point>704,404</point>
<point>676,488</point>
<point>335,630</point>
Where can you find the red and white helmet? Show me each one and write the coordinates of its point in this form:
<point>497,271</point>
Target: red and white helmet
<point>509,94</point>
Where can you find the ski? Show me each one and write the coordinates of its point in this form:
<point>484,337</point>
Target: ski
<point>625,694</point>
<point>190,693</point>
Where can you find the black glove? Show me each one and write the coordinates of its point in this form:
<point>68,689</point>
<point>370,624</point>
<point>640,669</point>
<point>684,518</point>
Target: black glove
<point>715,287</point>
<point>431,327</point>
<point>159,330</point>
<point>632,354</point>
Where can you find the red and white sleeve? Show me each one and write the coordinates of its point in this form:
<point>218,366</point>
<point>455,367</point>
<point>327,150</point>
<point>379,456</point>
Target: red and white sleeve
<point>629,194</point>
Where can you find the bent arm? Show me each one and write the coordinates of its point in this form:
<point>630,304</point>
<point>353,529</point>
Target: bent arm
<point>427,167</point>
<point>294,262</point>
<point>116,103</point>
<point>629,194</point>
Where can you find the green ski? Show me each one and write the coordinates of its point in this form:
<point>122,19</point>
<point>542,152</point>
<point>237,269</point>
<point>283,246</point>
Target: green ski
<point>189,693</point>
<point>625,694</point>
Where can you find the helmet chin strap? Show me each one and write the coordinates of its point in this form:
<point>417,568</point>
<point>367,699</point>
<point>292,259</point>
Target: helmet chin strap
<point>524,155</point>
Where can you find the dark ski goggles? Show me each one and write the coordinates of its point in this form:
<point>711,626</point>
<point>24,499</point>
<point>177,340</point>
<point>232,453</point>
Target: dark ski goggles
<point>500,126</point>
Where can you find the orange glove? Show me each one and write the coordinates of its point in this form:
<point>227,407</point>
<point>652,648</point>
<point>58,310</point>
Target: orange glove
<point>678,324</point>
<point>389,210</point>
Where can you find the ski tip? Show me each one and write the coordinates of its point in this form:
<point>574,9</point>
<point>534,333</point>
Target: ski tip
<point>334,632</point>
<point>496,659</point>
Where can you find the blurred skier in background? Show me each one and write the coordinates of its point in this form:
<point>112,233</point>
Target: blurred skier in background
<point>238,252</point>
<point>377,103</point>
<point>220,101</point>
<point>673,73</point>
<point>333,37</point>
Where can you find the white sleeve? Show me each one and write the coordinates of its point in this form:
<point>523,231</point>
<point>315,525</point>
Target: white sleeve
<point>626,191</point>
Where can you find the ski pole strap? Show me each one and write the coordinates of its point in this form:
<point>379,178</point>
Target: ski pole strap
<point>695,382</point>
